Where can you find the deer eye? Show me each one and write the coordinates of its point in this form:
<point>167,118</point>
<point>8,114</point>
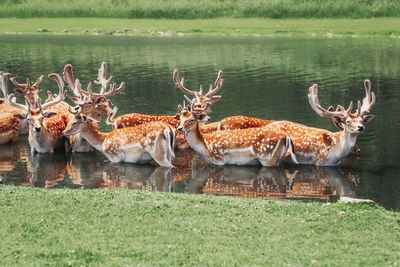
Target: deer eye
<point>191,120</point>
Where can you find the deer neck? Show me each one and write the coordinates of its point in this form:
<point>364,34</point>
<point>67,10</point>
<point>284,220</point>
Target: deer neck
<point>196,140</point>
<point>348,140</point>
<point>344,145</point>
<point>93,135</point>
<point>41,139</point>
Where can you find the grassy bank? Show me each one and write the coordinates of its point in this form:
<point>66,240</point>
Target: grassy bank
<point>386,27</point>
<point>189,9</point>
<point>129,227</point>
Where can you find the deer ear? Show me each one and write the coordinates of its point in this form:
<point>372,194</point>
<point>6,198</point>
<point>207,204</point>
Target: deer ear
<point>203,117</point>
<point>338,125</point>
<point>74,99</point>
<point>215,98</point>
<point>177,116</point>
<point>49,114</point>
<point>19,91</point>
<point>21,116</point>
<point>99,99</point>
<point>339,119</point>
<point>367,118</point>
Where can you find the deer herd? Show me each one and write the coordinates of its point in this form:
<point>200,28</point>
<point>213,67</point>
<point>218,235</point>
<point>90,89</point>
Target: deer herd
<point>140,138</point>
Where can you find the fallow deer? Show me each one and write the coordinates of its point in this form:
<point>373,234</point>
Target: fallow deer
<point>240,147</point>
<point>31,94</point>
<point>133,119</point>
<point>244,122</point>
<point>94,105</point>
<point>45,125</point>
<point>322,147</point>
<point>209,98</point>
<point>139,144</point>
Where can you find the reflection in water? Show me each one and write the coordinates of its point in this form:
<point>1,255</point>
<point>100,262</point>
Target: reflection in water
<point>298,182</point>
<point>191,175</point>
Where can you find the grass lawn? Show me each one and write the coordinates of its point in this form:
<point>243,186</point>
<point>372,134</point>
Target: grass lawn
<point>386,27</point>
<point>121,227</point>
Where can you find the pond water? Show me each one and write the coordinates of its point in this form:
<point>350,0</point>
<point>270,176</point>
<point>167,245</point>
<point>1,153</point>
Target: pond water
<point>263,77</point>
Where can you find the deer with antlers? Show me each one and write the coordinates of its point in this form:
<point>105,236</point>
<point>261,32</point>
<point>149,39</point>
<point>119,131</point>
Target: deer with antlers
<point>45,125</point>
<point>199,99</point>
<point>93,105</point>
<point>322,147</point>
<point>240,147</point>
<point>31,94</point>
<point>139,144</point>
<point>133,119</point>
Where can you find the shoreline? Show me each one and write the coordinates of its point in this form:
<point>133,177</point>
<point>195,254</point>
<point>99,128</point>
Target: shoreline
<point>221,27</point>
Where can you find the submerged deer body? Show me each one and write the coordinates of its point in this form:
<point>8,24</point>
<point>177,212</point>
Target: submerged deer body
<point>240,147</point>
<point>319,146</point>
<point>9,128</point>
<point>139,144</point>
<point>235,122</point>
<point>135,119</point>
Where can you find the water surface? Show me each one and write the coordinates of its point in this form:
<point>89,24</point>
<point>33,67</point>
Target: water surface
<point>266,78</point>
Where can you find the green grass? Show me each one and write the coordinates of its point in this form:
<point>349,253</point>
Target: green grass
<point>223,26</point>
<point>191,9</point>
<point>120,227</point>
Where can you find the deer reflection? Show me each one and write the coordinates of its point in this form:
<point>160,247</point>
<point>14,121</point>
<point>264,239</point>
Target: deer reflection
<point>10,155</point>
<point>89,170</point>
<point>304,182</point>
<point>143,177</point>
<point>46,170</point>
<point>86,170</point>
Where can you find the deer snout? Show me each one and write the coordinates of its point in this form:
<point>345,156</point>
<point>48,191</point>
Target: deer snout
<point>38,129</point>
<point>361,128</point>
<point>181,128</point>
<point>65,133</point>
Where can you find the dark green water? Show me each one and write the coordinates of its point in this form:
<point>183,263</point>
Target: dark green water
<point>266,78</point>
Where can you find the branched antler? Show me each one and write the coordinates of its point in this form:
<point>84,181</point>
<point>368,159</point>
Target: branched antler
<point>368,101</point>
<point>179,84</point>
<point>61,93</point>
<point>315,105</point>
<point>10,99</point>
<point>102,80</point>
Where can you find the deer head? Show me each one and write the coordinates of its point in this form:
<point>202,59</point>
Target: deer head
<point>78,124</point>
<point>353,123</point>
<point>31,93</point>
<point>191,115</point>
<point>209,98</point>
<point>92,104</point>
<point>36,117</point>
